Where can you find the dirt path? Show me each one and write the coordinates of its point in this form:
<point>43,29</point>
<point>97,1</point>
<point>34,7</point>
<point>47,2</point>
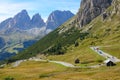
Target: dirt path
<point>17,63</point>
<point>63,63</point>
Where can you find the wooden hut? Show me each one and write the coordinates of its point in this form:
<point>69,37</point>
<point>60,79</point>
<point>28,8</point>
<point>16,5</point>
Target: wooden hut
<point>109,63</point>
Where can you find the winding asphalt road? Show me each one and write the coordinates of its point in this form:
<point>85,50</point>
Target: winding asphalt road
<point>105,55</point>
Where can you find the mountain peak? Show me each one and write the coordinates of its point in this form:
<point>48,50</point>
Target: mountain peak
<point>37,15</point>
<point>21,20</point>
<point>24,11</point>
<point>37,21</point>
<point>57,17</point>
<point>59,11</point>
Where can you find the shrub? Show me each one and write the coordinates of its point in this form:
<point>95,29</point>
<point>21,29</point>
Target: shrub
<point>57,49</point>
<point>77,61</point>
<point>83,35</point>
<point>99,60</point>
<point>108,30</point>
<point>92,43</point>
<point>76,44</point>
<point>43,76</point>
<point>9,78</point>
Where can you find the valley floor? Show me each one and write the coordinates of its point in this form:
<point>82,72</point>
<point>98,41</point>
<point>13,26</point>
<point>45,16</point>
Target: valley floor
<point>45,70</point>
<point>32,70</point>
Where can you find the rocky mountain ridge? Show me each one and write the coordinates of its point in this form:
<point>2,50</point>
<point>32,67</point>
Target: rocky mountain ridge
<point>21,28</point>
<point>22,21</point>
<point>90,9</point>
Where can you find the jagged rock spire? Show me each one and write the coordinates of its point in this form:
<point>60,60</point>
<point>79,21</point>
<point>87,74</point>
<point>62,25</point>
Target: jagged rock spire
<point>90,9</point>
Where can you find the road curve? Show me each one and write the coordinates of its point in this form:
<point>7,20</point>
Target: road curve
<point>105,55</point>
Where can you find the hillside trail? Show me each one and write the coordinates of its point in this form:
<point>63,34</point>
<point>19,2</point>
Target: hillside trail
<point>66,64</point>
<point>17,63</point>
<point>58,62</point>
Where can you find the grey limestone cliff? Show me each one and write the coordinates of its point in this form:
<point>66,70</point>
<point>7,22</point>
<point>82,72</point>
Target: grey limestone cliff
<point>90,9</point>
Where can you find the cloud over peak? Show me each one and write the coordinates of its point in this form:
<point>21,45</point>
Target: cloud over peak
<point>8,8</point>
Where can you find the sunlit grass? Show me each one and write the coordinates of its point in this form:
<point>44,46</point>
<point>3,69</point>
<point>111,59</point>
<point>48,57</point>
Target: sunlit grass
<point>84,54</point>
<point>30,70</point>
<point>113,50</point>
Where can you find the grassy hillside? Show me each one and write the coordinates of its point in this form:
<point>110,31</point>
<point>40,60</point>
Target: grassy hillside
<point>30,70</point>
<point>84,54</point>
<point>112,49</point>
<point>104,33</point>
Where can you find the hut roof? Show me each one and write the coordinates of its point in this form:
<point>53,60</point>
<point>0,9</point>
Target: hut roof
<point>108,60</point>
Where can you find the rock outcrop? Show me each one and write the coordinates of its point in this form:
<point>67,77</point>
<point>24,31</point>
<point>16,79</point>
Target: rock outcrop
<point>116,6</point>
<point>114,9</point>
<point>90,9</point>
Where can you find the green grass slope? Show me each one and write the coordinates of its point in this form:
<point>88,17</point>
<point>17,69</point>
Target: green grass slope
<point>32,70</point>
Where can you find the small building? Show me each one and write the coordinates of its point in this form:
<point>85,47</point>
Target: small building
<point>77,61</point>
<point>109,63</point>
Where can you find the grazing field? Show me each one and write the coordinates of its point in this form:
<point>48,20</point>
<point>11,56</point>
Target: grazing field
<point>113,50</point>
<point>32,70</point>
<point>84,54</point>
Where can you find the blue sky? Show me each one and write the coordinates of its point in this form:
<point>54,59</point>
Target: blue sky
<point>8,8</point>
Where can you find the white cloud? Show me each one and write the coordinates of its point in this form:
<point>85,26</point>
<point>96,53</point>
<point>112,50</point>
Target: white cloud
<point>9,8</point>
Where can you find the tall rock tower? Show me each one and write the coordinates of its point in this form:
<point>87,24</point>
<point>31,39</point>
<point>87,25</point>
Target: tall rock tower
<point>90,9</point>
